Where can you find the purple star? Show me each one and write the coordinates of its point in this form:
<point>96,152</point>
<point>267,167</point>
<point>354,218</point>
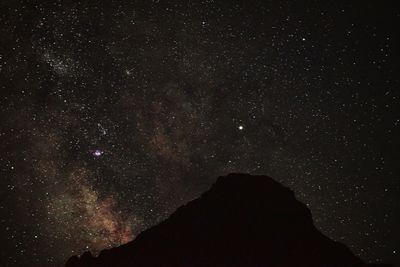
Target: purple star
<point>97,153</point>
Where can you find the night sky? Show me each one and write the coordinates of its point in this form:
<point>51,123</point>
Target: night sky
<point>114,113</point>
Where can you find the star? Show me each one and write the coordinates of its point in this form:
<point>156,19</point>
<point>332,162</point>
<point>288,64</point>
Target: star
<point>97,153</point>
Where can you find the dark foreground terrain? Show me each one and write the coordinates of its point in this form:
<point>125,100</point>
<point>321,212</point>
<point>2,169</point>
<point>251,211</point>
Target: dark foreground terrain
<point>242,220</point>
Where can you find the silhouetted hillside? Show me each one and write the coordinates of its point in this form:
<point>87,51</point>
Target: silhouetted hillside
<point>242,220</point>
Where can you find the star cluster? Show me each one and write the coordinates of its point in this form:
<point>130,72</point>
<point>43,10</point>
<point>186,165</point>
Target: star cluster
<point>114,113</point>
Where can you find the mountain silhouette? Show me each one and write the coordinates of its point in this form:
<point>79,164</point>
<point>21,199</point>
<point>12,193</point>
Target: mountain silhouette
<point>243,220</point>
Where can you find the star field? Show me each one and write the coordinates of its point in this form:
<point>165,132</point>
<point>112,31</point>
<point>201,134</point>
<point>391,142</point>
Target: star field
<point>115,113</point>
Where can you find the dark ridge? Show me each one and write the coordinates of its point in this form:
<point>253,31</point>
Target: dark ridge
<point>243,220</point>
